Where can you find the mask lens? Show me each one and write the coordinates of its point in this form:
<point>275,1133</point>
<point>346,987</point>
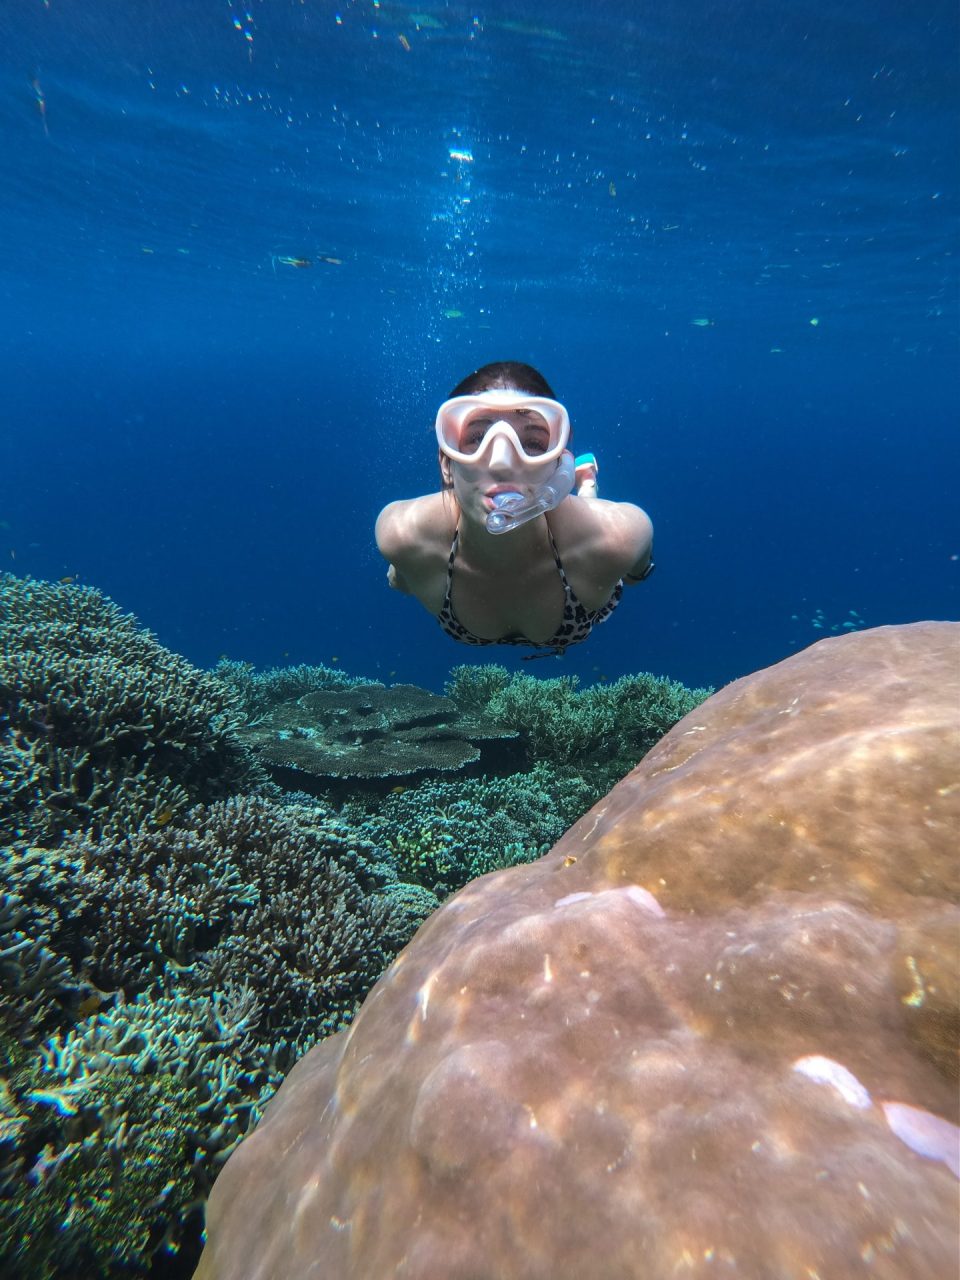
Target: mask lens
<point>535,433</point>
<point>473,431</point>
<point>532,430</point>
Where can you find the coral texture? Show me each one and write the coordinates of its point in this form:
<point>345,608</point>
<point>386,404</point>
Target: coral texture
<point>101,728</point>
<point>443,834</point>
<point>155,987</point>
<point>369,732</point>
<point>711,1032</point>
<point>602,730</point>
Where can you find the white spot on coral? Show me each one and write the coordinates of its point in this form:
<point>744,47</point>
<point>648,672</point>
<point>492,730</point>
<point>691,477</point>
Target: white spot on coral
<point>826,1071</point>
<point>547,971</point>
<point>423,996</point>
<point>572,897</point>
<point>925,1133</point>
<point>644,900</point>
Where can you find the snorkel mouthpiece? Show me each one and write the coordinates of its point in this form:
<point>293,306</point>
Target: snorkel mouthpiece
<point>511,509</point>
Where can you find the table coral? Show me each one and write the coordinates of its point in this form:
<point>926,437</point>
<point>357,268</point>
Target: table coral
<point>369,732</point>
<point>707,1034</point>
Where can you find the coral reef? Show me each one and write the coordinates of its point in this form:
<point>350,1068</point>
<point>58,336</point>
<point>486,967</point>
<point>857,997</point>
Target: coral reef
<point>175,931</point>
<point>101,728</point>
<point>713,1019</point>
<point>602,730</point>
<point>196,963</point>
<point>255,693</point>
<point>443,834</point>
<point>118,1128</point>
<point>369,732</point>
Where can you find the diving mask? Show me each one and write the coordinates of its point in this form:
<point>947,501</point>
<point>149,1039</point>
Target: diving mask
<point>537,428</point>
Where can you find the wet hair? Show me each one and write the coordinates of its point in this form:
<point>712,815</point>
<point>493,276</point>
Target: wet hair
<point>504,375</point>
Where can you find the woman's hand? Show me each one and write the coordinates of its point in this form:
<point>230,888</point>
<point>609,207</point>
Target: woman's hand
<point>586,474</point>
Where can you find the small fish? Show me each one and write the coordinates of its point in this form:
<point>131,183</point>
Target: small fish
<point>612,188</point>
<point>163,817</point>
<point>397,791</point>
<point>41,103</point>
<point>405,42</point>
<point>453,314</point>
<point>90,1005</point>
<point>569,860</point>
<point>702,322</point>
<point>68,580</point>
<point>286,260</point>
<point>333,262</point>
<point>465,157</point>
<point>334,659</point>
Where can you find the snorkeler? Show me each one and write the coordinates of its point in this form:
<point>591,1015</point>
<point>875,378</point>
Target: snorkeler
<point>507,552</point>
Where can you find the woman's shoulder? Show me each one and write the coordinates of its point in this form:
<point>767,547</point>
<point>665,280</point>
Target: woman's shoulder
<point>612,536</point>
<point>415,526</point>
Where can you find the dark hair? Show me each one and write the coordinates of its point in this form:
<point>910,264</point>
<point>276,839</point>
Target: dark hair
<point>504,375</point>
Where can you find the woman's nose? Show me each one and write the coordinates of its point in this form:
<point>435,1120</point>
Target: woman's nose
<point>503,456</point>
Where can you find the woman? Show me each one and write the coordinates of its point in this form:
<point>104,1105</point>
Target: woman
<point>506,553</point>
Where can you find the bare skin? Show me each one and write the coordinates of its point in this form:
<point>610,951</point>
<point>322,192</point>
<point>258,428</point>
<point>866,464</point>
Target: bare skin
<point>508,585</point>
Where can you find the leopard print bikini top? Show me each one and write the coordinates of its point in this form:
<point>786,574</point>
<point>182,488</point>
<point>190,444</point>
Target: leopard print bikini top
<point>575,625</point>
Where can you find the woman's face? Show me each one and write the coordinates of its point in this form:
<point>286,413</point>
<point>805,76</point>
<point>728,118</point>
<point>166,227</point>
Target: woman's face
<point>498,468</point>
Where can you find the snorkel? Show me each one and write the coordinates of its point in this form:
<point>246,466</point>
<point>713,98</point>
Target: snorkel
<point>512,509</point>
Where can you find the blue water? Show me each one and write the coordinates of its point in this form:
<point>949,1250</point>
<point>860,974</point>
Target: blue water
<point>725,230</point>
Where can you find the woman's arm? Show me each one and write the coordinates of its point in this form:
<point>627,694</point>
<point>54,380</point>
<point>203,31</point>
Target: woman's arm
<point>406,534</point>
<point>637,544</point>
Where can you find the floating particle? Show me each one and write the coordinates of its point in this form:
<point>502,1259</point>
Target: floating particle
<point>463,156</point>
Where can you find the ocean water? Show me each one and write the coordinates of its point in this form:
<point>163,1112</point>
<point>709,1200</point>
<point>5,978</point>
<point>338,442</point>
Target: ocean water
<point>725,230</point>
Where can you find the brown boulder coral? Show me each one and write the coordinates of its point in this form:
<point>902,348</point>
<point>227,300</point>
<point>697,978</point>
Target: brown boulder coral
<point>712,1032</point>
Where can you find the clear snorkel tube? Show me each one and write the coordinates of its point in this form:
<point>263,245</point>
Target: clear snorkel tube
<point>512,509</point>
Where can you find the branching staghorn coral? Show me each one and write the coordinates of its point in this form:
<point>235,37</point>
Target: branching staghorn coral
<point>119,1128</point>
<point>283,896</point>
<point>442,834</point>
<point>185,968</point>
<point>101,727</point>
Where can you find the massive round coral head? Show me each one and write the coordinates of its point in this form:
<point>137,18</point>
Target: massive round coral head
<point>713,1032</point>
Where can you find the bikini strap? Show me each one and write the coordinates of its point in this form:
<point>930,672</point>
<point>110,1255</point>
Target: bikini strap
<point>450,559</point>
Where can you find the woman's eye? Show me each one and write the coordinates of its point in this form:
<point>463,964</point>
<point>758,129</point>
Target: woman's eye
<point>534,440</point>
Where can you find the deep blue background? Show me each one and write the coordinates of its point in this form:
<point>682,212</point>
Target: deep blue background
<point>207,434</point>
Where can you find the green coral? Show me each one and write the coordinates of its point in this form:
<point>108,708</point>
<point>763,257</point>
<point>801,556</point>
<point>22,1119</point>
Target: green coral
<point>443,834</point>
<point>603,730</point>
